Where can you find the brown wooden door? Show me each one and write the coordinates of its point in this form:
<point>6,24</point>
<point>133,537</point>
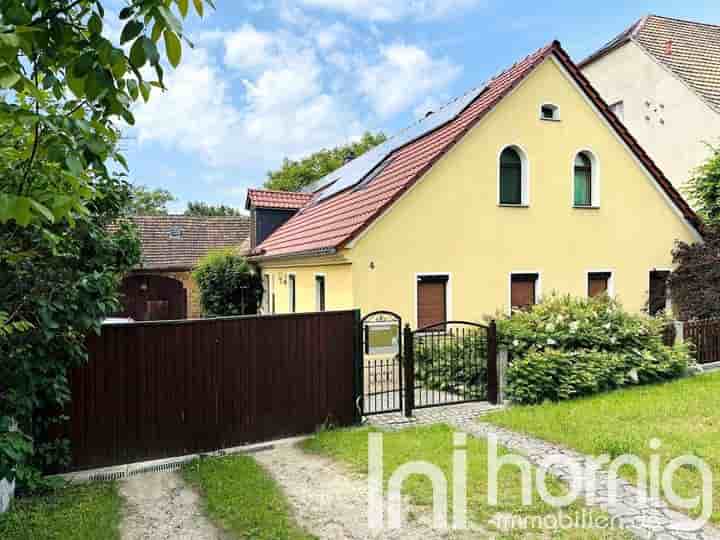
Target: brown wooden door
<point>432,305</point>
<point>522,291</point>
<point>658,291</point>
<point>153,297</point>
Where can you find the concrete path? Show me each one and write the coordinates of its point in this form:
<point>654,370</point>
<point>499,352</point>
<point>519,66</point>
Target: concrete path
<point>160,506</point>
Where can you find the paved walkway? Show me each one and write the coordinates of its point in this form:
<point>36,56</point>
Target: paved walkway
<point>646,518</point>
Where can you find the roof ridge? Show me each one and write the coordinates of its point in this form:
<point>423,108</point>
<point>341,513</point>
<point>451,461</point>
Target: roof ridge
<point>281,191</point>
<point>688,21</point>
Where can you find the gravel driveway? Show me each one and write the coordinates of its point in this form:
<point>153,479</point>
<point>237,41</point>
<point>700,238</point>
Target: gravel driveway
<point>160,506</point>
<point>331,502</point>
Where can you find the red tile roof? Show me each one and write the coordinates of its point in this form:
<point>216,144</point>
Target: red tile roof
<point>332,223</point>
<point>265,198</point>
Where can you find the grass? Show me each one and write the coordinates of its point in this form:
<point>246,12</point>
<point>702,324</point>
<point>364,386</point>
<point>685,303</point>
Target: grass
<point>684,415</point>
<point>241,498</point>
<point>81,512</point>
<point>434,444</point>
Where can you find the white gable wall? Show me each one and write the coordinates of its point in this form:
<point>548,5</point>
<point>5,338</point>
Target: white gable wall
<point>670,121</point>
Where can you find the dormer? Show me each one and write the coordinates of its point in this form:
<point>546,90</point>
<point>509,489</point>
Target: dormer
<point>269,209</point>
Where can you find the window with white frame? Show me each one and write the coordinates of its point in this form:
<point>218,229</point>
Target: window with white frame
<point>266,294</point>
<point>513,177</point>
<point>319,293</point>
<point>549,111</point>
<point>586,180</point>
<point>292,298</point>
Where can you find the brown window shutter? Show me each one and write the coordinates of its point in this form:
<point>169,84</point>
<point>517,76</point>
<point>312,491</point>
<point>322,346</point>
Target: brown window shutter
<point>522,291</point>
<point>598,284</point>
<point>432,308</point>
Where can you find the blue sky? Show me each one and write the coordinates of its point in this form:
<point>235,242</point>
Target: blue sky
<point>275,78</point>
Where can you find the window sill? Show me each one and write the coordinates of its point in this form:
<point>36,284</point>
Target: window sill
<point>585,207</point>
<point>507,205</point>
<point>550,119</point>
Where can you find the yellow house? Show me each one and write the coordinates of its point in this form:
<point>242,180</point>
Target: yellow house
<point>526,185</point>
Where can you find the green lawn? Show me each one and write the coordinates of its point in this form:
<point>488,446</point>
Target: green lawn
<point>82,512</point>
<point>241,498</point>
<point>684,415</point>
<point>435,445</point>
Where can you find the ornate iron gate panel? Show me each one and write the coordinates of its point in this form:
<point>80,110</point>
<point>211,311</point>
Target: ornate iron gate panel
<point>450,362</point>
<point>382,370</point>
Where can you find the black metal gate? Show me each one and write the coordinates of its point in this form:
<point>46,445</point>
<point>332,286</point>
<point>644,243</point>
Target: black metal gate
<point>381,372</point>
<point>450,362</point>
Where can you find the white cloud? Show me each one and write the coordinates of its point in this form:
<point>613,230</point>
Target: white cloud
<point>248,48</point>
<point>328,37</point>
<point>405,74</point>
<point>393,10</point>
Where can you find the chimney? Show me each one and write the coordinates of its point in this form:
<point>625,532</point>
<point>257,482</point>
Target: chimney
<point>669,47</point>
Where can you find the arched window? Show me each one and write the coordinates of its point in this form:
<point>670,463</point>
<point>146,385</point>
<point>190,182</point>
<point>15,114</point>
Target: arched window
<point>511,177</point>
<point>583,180</point>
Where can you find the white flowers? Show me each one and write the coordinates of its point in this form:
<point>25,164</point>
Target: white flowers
<point>574,326</point>
<point>613,340</point>
<point>633,374</point>
<point>551,341</point>
<point>607,326</point>
<point>550,327</point>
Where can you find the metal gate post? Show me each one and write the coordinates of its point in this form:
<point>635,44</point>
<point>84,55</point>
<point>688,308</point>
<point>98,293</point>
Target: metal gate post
<point>409,372</point>
<point>492,363</point>
<point>359,384</point>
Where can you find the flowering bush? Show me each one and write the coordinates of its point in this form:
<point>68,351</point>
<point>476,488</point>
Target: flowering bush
<point>567,347</point>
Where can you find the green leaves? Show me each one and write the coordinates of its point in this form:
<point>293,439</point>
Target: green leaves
<point>199,7</point>
<point>8,77</point>
<point>131,30</point>
<point>95,24</point>
<point>173,47</point>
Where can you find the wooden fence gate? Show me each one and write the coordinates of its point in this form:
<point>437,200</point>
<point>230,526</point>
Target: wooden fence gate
<point>164,389</point>
<point>705,336</point>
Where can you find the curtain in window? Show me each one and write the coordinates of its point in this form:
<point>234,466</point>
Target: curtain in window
<point>583,181</point>
<point>510,177</point>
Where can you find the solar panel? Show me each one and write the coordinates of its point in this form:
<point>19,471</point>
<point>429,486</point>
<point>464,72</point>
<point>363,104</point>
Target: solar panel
<point>354,171</point>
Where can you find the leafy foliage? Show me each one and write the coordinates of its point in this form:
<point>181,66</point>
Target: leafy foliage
<point>703,188</point>
<point>62,281</point>
<point>202,209</point>
<point>149,202</point>
<point>695,282</point>
<point>63,83</point>
<point>228,284</point>
<point>454,362</point>
<point>567,347</point>
<point>295,175</point>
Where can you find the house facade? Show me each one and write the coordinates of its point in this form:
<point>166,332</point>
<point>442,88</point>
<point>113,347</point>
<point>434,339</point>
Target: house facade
<point>162,286</point>
<point>662,78</point>
<point>524,186</point>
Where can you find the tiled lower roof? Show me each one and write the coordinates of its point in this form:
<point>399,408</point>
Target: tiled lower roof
<point>179,242</point>
<point>334,222</point>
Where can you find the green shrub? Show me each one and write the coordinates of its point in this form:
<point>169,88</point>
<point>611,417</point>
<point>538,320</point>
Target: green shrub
<point>454,363</point>
<point>228,284</point>
<point>567,347</point>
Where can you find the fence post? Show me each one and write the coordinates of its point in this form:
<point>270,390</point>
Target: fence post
<point>502,374</point>
<point>492,363</point>
<point>409,371</point>
<point>679,332</point>
<point>358,357</point>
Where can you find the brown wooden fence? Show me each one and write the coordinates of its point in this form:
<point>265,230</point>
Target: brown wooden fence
<point>705,335</point>
<point>155,390</point>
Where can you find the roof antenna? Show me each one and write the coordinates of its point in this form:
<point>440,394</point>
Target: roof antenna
<point>429,113</point>
<point>348,158</point>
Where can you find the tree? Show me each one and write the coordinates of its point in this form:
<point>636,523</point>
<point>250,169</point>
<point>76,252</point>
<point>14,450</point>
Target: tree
<point>64,86</point>
<point>703,188</point>
<point>228,284</point>
<point>61,281</point>
<point>695,282</point>
<point>295,175</point>
<point>65,83</point>
<point>202,209</point>
<point>149,202</point>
